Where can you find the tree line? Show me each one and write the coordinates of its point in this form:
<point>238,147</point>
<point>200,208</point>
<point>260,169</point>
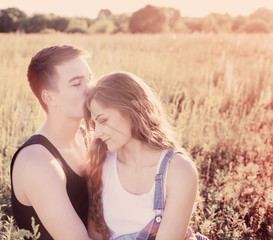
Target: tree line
<point>150,19</point>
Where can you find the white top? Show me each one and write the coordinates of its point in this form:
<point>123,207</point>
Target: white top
<point>125,212</point>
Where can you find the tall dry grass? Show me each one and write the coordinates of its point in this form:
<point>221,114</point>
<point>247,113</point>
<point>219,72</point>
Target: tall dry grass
<point>217,90</point>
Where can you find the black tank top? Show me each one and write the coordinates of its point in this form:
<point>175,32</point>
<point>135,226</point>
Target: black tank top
<point>76,187</point>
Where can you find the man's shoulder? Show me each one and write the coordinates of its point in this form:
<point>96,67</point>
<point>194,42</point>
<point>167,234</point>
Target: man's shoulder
<point>33,152</point>
<point>34,159</point>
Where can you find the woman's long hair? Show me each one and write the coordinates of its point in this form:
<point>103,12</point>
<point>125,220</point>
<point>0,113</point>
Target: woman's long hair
<point>131,95</point>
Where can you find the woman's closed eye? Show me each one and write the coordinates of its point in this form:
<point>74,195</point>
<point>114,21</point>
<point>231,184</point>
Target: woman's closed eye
<point>102,121</point>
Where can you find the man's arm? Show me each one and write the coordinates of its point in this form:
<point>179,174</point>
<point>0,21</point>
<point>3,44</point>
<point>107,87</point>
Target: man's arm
<point>42,182</point>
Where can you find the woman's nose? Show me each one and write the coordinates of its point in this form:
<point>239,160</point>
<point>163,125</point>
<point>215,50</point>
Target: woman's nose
<point>98,131</point>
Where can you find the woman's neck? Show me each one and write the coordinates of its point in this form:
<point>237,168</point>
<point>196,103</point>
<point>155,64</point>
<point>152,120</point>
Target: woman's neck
<point>136,154</point>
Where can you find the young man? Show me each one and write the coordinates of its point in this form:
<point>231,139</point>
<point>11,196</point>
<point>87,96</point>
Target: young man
<point>46,171</point>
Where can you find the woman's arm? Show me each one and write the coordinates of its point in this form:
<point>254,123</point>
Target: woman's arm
<point>181,184</point>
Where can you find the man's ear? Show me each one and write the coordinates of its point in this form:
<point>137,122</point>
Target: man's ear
<point>48,98</point>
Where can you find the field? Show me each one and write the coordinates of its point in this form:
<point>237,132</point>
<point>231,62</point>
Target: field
<point>217,90</point>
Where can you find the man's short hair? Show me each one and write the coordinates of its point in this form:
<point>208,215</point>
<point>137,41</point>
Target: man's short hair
<point>42,68</point>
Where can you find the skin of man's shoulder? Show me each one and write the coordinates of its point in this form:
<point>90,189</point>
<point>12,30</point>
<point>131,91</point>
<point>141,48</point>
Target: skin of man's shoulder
<point>34,166</point>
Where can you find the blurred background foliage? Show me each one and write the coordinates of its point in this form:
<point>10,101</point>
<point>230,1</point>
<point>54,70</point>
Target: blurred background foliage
<point>150,19</point>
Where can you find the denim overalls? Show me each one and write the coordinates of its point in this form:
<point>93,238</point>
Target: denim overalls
<point>150,230</point>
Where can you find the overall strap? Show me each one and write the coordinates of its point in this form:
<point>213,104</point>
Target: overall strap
<point>150,230</point>
<point>159,202</point>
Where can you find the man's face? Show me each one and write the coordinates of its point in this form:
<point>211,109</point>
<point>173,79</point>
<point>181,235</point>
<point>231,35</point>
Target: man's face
<point>72,82</point>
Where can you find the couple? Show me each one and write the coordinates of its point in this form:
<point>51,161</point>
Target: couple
<point>110,181</point>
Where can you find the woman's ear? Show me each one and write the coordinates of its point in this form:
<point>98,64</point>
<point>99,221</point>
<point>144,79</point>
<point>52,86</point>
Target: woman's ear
<point>48,98</point>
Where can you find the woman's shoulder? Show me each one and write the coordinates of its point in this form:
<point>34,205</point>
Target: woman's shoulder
<point>182,175</point>
<point>182,167</point>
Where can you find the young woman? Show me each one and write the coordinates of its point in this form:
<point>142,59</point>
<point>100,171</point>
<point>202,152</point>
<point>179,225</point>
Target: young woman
<point>143,184</point>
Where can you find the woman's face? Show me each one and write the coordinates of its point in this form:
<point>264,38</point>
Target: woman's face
<point>111,126</point>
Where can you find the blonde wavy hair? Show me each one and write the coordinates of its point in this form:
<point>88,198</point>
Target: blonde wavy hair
<point>129,94</point>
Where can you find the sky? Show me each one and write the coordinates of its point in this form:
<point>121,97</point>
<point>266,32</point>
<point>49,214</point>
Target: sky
<point>90,8</point>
